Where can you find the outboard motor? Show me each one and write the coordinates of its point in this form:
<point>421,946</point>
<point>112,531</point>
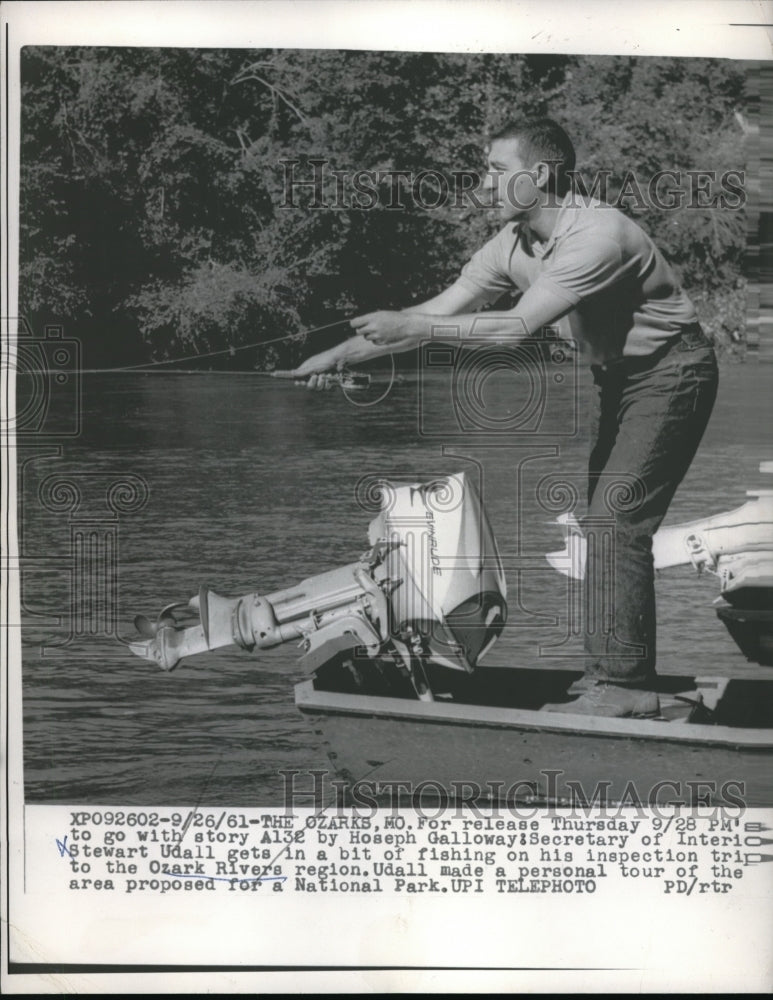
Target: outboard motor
<point>430,590</point>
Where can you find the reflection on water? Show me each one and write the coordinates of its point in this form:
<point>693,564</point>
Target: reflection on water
<point>253,486</point>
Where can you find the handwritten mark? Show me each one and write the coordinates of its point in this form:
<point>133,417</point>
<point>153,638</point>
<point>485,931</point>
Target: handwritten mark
<point>231,878</point>
<point>63,848</point>
<point>193,812</point>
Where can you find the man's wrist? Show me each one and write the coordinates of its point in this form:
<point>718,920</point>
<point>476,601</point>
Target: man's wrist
<point>414,325</point>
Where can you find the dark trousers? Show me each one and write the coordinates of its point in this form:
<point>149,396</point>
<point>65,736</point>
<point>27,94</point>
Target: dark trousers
<point>653,413</point>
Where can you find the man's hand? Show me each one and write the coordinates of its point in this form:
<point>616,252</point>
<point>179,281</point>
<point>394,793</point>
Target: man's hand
<point>333,359</point>
<point>322,381</point>
<point>355,349</point>
<point>385,327</point>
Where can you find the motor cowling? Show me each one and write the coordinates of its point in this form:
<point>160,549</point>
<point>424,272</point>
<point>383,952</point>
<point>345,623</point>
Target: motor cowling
<point>453,590</point>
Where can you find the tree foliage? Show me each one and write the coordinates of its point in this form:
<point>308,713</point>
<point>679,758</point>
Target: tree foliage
<point>154,212</point>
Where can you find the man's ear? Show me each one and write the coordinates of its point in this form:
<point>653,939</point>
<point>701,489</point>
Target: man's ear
<point>541,173</point>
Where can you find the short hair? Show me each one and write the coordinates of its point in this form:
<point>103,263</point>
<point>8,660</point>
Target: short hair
<point>542,139</point>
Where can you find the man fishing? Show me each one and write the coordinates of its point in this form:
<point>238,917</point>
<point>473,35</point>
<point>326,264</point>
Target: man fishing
<point>574,256</point>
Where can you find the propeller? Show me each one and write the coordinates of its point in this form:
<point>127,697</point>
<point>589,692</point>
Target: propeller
<point>149,629</point>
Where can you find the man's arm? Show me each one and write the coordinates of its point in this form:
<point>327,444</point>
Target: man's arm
<point>585,268</point>
<point>457,298</point>
<point>537,307</point>
<point>588,264</point>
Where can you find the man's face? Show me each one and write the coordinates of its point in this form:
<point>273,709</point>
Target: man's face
<point>510,181</point>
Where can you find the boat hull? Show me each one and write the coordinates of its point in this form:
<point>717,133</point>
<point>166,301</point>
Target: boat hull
<point>521,754</point>
<point>752,631</point>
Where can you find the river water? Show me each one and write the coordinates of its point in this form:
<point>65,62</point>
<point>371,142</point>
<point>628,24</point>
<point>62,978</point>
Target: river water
<point>247,483</point>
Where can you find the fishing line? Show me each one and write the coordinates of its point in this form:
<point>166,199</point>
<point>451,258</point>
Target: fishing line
<point>149,365</point>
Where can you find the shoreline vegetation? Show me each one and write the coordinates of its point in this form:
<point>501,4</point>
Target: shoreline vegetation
<point>177,203</point>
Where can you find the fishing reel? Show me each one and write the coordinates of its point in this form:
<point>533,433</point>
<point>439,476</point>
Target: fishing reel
<point>429,591</point>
